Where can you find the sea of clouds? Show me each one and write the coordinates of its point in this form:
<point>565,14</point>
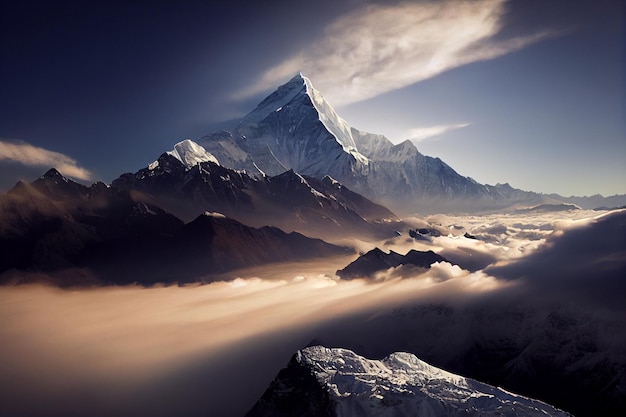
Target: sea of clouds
<point>213,349</point>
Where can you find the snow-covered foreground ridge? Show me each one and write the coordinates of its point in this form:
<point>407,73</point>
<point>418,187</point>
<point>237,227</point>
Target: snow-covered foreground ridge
<point>399,385</point>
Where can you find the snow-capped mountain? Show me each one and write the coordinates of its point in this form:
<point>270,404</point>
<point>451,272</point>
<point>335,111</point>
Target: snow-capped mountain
<point>320,207</point>
<point>323,382</point>
<point>190,154</point>
<point>295,128</point>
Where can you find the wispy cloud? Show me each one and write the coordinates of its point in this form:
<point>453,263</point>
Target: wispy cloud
<point>380,48</point>
<point>27,154</point>
<point>420,133</point>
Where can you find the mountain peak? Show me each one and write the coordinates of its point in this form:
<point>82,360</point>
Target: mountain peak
<point>376,260</point>
<point>296,95</point>
<point>295,127</point>
<point>54,174</point>
<point>290,174</point>
<point>336,381</point>
<point>298,78</point>
<point>190,153</point>
<point>57,187</point>
<point>281,97</point>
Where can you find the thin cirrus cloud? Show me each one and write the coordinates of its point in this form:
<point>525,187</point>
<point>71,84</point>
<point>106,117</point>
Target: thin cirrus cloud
<point>27,154</point>
<point>420,133</point>
<point>381,48</point>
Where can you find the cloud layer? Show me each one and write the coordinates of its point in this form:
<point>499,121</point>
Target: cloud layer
<point>380,48</point>
<point>110,344</point>
<point>159,351</point>
<point>26,154</point>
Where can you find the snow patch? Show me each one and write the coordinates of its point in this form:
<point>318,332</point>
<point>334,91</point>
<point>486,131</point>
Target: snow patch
<point>331,179</point>
<point>259,169</point>
<point>318,194</point>
<point>214,214</point>
<point>191,154</point>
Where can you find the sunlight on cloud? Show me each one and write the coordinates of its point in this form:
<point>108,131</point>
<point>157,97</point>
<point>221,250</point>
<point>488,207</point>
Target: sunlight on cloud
<point>145,325</point>
<point>27,154</point>
<point>420,133</point>
<point>499,239</point>
<point>117,341</point>
<point>380,48</point>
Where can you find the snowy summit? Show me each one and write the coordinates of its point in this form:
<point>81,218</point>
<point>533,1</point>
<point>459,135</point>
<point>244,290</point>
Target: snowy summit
<point>296,128</point>
<point>337,382</point>
<point>190,153</point>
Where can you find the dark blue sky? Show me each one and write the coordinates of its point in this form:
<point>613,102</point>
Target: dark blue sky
<point>528,92</point>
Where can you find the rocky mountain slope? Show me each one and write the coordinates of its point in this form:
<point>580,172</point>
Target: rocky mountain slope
<point>119,236</point>
<point>187,185</point>
<point>295,128</point>
<point>368,264</point>
<point>322,382</point>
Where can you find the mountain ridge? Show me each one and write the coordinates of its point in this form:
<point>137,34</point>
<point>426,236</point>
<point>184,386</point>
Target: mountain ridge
<point>319,207</point>
<point>295,128</point>
<point>336,382</point>
<point>368,264</point>
<point>121,236</point>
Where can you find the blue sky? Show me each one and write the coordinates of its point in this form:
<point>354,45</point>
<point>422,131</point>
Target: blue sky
<point>527,92</point>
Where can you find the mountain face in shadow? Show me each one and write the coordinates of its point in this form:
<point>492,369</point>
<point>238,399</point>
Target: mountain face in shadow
<point>214,243</point>
<point>319,207</point>
<point>55,223</point>
<point>368,264</point>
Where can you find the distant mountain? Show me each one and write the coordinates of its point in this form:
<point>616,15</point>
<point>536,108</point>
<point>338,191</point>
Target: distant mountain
<point>548,208</point>
<point>594,202</point>
<point>319,207</point>
<point>376,260</point>
<point>322,382</point>
<point>295,128</point>
<point>57,224</point>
